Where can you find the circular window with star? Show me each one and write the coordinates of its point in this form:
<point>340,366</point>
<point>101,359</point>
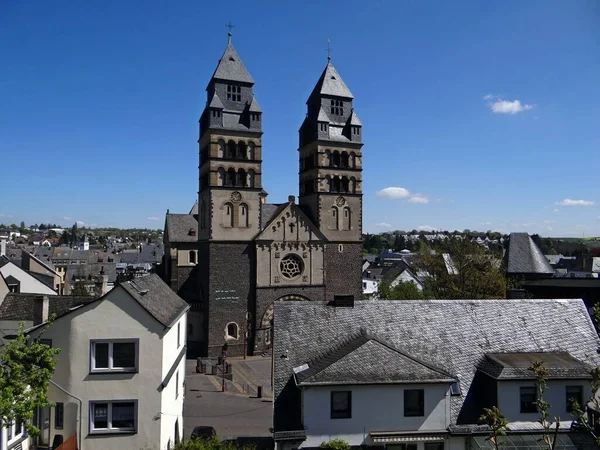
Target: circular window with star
<point>291,266</point>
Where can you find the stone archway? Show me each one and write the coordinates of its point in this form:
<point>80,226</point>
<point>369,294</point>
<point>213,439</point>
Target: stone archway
<point>266,323</point>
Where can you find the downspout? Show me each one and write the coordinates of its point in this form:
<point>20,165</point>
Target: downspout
<point>80,409</point>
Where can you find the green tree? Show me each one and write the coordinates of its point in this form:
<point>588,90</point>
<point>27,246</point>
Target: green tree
<point>22,228</point>
<point>26,367</point>
<point>335,444</point>
<point>65,238</point>
<point>471,272</point>
<point>541,376</point>
<point>78,287</point>
<point>495,420</point>
<point>210,444</point>
<point>405,290</point>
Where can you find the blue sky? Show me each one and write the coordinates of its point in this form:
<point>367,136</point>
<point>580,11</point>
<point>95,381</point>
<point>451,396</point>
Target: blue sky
<point>481,115</point>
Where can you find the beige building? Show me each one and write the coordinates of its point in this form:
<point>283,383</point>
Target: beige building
<point>118,383</point>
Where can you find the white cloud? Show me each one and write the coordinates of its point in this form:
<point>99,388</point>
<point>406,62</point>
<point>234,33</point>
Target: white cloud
<point>383,225</point>
<point>67,218</point>
<point>152,218</point>
<point>508,107</point>
<point>426,228</point>
<point>393,193</point>
<point>570,202</point>
<point>418,198</point>
<point>582,227</point>
<point>80,223</point>
<point>556,210</point>
<point>548,221</point>
<point>6,215</point>
<point>488,97</point>
<point>485,224</point>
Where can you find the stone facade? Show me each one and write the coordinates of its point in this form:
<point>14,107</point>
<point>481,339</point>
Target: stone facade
<point>251,254</point>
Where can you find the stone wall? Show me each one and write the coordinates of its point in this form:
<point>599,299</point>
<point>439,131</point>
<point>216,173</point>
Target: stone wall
<point>343,270</point>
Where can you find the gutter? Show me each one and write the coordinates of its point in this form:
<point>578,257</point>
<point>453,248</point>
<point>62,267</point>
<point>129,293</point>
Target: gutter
<point>80,410</point>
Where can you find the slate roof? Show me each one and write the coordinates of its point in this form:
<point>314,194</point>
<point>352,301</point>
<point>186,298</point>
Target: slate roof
<point>322,117</point>
<point>354,120</point>
<point>231,67</point>
<point>254,106</point>
<point>454,335</point>
<point>216,102</point>
<point>516,366</point>
<point>179,225</point>
<point>157,298</point>
<point>268,211</point>
<point>194,209</point>
<point>523,256</point>
<point>331,83</point>
<point>20,306</point>
<point>364,359</point>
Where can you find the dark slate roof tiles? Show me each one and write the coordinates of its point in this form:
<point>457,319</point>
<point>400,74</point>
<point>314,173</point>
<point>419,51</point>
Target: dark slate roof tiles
<point>331,83</point>
<point>455,335</point>
<point>20,306</point>
<point>516,366</point>
<point>179,226</point>
<point>231,67</point>
<point>525,257</point>
<point>157,298</point>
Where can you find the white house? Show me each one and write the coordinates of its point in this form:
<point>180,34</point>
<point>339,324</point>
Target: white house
<point>416,374</point>
<point>119,380</point>
<point>19,280</point>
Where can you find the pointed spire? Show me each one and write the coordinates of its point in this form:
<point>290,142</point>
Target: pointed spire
<point>231,67</point>
<point>331,83</point>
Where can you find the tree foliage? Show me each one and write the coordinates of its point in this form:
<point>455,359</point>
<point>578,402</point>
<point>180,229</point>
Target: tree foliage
<point>405,290</point>
<point>471,272</point>
<point>541,376</point>
<point>211,444</point>
<point>335,444</point>
<point>26,367</point>
<point>493,418</point>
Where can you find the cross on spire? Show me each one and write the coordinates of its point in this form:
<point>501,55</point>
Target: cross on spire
<point>328,49</point>
<point>229,34</point>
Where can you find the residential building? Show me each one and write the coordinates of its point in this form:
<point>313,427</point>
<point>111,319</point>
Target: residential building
<point>42,270</point>
<point>19,280</point>
<point>119,378</point>
<point>252,253</point>
<point>416,374</point>
<point>523,258</point>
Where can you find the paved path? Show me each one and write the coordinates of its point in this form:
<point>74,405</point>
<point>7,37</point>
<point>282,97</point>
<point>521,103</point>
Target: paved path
<point>232,413</point>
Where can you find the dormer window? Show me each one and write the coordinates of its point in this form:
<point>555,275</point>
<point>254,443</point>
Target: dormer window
<point>216,113</point>
<point>192,232</point>
<point>323,127</point>
<point>234,93</point>
<point>356,130</point>
<point>337,107</point>
<point>255,117</point>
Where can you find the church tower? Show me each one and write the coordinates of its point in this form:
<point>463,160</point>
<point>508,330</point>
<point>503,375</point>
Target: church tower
<point>330,155</point>
<point>229,202</point>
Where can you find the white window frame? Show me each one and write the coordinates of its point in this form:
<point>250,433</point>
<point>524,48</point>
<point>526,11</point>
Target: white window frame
<point>110,368</point>
<point>13,430</point>
<point>230,337</point>
<point>110,429</point>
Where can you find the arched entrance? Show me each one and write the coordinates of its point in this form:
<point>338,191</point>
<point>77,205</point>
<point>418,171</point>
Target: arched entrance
<point>265,332</point>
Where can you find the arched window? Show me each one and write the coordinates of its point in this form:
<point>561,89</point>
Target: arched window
<point>228,215</point>
<point>336,159</point>
<point>251,178</point>
<point>241,150</point>
<point>221,148</point>
<point>335,220</point>
<point>250,150</point>
<point>241,178</point>
<point>230,151</point>
<point>345,184</point>
<point>192,257</point>
<point>222,177</point>
<point>352,186</point>
<point>345,160</point>
<point>232,331</point>
<point>353,160</point>
<point>243,220</point>
<point>327,183</point>
<point>335,184</point>
<point>346,221</point>
<point>230,178</point>
<point>328,160</point>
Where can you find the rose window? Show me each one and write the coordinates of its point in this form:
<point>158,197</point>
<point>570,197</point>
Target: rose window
<point>291,266</point>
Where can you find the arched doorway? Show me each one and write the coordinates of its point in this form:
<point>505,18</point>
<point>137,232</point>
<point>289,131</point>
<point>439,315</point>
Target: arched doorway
<point>265,332</point>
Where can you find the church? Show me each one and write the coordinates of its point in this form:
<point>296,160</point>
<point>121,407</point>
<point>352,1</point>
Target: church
<point>235,254</point>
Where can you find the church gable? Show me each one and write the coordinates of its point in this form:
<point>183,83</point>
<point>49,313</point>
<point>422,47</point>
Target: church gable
<point>291,225</point>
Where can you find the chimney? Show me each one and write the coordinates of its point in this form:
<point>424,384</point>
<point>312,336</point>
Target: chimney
<point>101,285</point>
<point>343,301</point>
<point>3,247</point>
<point>40,309</point>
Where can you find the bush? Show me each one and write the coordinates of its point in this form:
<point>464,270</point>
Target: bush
<point>210,444</point>
<point>335,444</point>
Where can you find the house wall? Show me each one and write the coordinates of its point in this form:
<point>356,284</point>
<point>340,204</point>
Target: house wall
<point>510,404</point>
<point>29,284</point>
<point>172,404</point>
<point>117,316</point>
<point>406,277</point>
<point>388,416</point>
